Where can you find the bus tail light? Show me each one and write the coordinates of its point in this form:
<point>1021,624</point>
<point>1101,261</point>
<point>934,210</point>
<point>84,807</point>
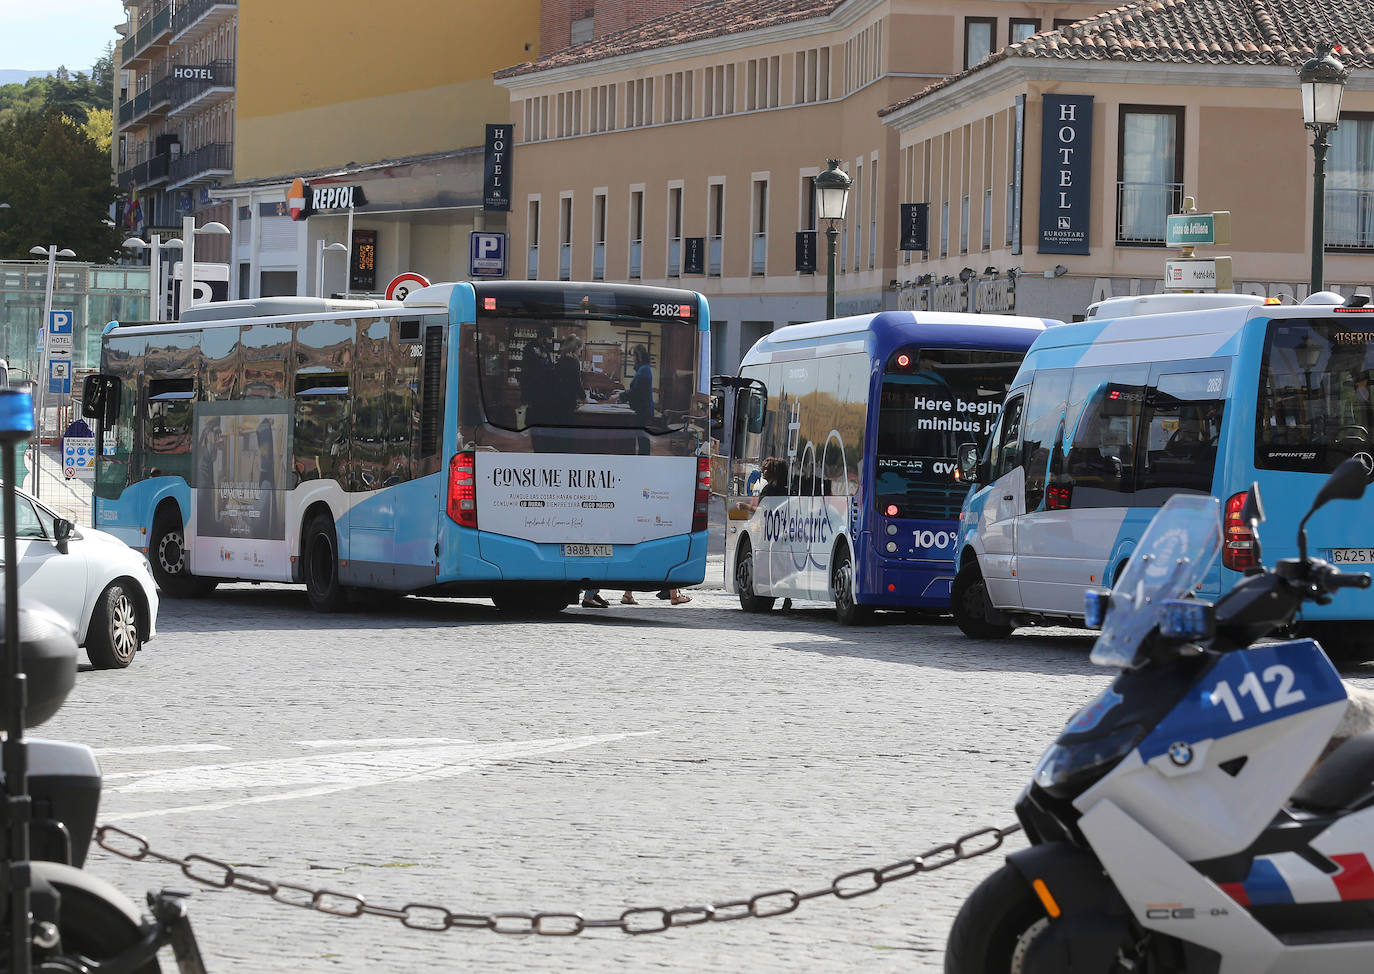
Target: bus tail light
<point>1058,497</point>
<point>1238,541</point>
<point>701,504</point>
<point>462,489</point>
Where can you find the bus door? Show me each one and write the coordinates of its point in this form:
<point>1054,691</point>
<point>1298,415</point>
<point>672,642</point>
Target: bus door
<point>745,409</point>
<point>1006,477</point>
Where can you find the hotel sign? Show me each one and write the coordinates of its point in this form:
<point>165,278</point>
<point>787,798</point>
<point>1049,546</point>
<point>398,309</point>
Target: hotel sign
<point>1066,134</point>
<point>496,169</point>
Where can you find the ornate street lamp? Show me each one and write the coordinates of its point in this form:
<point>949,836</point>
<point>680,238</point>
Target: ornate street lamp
<point>832,199</point>
<point>1323,81</point>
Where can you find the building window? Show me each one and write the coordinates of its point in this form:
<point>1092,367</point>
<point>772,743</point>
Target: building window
<point>944,229</point>
<point>872,213</point>
<point>565,214</point>
<point>675,231</point>
<point>987,218</point>
<point>1350,185</point>
<point>856,199</point>
<point>1011,213</point>
<point>758,257</point>
<point>583,30</point>
<point>636,234</point>
<point>963,224</point>
<point>1019,29</point>
<point>1149,173</point>
<point>715,219</point>
<point>532,233</point>
<point>599,237</point>
<point>1061,22</point>
<point>978,34</point>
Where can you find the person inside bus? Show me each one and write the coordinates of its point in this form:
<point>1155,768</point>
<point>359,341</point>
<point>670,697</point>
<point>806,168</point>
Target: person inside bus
<point>1356,408</point>
<point>566,392</point>
<point>536,375</point>
<point>640,395</point>
<point>775,476</point>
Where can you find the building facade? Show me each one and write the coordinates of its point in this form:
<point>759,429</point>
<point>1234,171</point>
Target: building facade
<point>174,116</point>
<point>1061,157</point>
<point>682,151</point>
<point>383,125</point>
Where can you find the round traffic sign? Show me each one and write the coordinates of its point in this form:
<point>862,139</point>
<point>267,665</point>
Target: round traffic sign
<point>403,284</point>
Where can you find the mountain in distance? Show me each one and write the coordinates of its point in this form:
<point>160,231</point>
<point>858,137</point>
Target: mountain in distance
<point>10,76</point>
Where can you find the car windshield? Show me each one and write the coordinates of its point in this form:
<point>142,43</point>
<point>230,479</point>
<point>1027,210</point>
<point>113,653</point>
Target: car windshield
<point>1174,554</point>
<point>1314,407</point>
<point>932,400</point>
<point>586,372</point>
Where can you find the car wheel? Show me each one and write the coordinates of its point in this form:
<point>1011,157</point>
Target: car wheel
<point>113,637</point>
<point>973,611</point>
<point>847,611</point>
<point>167,556</point>
<point>320,555</point>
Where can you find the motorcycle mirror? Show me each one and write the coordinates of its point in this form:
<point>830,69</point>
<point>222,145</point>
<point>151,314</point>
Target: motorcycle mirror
<point>48,650</point>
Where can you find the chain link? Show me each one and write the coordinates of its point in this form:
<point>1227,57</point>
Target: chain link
<point>634,921</point>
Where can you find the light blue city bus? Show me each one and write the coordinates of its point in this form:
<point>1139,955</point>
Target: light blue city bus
<point>1109,417</point>
<point>504,440</point>
<point>842,435</point>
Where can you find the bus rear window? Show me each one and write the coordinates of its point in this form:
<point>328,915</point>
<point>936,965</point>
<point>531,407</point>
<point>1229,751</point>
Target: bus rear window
<point>582,372</point>
<point>1313,408</point>
<point>933,400</point>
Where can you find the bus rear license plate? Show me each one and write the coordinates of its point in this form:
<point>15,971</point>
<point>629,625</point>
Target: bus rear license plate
<point>1352,556</point>
<point>588,550</point>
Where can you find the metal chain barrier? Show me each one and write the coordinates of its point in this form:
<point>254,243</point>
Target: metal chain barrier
<point>636,920</point>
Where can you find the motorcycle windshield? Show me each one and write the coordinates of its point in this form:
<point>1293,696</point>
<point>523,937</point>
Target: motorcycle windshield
<point>1173,556</point>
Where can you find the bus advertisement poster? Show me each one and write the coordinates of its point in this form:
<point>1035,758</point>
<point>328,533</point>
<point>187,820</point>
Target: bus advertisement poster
<point>241,459</point>
<point>552,497</point>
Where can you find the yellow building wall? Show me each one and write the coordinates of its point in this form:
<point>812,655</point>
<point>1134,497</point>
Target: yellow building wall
<point>322,85</point>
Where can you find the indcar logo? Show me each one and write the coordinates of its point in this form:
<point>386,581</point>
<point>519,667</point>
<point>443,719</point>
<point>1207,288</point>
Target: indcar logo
<point>296,198</point>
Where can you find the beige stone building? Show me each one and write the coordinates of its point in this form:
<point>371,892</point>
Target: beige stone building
<point>682,151</point>
<point>1107,124</point>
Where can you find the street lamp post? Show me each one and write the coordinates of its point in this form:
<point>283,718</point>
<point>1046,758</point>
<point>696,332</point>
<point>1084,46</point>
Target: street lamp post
<point>832,198</point>
<point>156,309</point>
<point>188,257</point>
<point>52,253</point>
<point>319,264</point>
<point>1322,80</point>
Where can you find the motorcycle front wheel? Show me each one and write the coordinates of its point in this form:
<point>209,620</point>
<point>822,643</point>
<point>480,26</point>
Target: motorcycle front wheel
<point>96,921</point>
<point>995,927</point>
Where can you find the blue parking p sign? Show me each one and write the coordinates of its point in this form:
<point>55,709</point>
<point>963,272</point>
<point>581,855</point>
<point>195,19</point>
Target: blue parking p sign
<point>486,254</point>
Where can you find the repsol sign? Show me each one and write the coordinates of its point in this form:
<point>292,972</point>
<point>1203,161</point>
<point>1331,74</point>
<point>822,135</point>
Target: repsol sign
<point>783,524</point>
<point>304,199</point>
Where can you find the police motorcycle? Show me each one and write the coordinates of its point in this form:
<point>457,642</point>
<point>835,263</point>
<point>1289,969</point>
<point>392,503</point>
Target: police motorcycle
<point>56,916</point>
<point>1178,823</point>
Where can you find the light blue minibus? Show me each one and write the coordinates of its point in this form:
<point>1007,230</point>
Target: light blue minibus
<point>507,440</point>
<point>1108,418</point>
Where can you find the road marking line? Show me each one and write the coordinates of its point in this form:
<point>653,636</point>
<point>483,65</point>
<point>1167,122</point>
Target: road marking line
<point>384,742</point>
<point>162,749</point>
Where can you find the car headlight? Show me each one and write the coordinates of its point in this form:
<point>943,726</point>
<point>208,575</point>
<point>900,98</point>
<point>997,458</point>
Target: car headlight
<point>1067,768</point>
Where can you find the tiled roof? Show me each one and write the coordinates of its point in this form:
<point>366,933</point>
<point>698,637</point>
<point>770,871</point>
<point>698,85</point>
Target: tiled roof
<point>713,18</point>
<point>1283,33</point>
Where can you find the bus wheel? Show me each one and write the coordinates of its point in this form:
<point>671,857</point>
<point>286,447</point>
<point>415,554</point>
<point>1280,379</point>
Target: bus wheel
<point>847,611</point>
<point>320,553</point>
<point>744,583</point>
<point>973,611</point>
<point>167,558</point>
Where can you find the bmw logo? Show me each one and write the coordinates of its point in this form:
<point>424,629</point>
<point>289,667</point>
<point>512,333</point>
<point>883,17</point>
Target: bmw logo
<point>1181,753</point>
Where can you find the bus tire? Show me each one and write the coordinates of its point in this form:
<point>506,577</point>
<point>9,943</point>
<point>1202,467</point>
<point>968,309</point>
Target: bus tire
<point>320,566</point>
<point>167,558</point>
<point>847,611</point>
<point>973,611</point>
<point>744,582</point>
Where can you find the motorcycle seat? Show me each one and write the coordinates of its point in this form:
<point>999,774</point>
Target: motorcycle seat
<point>1342,779</point>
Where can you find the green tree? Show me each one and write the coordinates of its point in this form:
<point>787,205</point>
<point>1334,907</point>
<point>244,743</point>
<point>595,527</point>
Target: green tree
<point>57,182</point>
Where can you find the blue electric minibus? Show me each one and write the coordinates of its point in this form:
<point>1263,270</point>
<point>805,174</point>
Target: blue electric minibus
<point>1110,417</point>
<point>842,484</point>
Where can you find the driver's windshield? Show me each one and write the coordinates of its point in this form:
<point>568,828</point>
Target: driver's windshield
<point>1174,555</point>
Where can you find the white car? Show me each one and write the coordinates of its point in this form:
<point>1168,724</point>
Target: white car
<point>96,582</point>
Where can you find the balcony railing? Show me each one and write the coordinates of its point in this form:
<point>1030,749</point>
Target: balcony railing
<point>565,262</point>
<point>154,28</point>
<point>599,261</point>
<point>210,160</point>
<point>1349,219</point>
<point>126,112</point>
<point>1141,209</point>
<point>758,263</point>
<point>636,259</point>
<point>190,12</point>
<point>713,252</point>
<point>532,263</point>
<point>675,257</point>
<point>185,91</point>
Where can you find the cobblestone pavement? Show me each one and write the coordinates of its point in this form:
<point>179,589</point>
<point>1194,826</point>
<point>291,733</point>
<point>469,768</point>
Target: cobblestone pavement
<point>438,752</point>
